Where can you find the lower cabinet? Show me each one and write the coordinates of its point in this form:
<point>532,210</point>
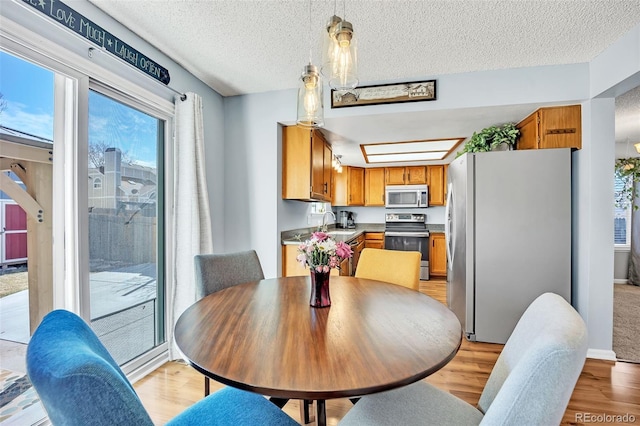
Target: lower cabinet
<point>437,255</point>
<point>374,240</point>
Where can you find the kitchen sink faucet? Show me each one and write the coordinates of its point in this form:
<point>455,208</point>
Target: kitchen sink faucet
<point>324,216</point>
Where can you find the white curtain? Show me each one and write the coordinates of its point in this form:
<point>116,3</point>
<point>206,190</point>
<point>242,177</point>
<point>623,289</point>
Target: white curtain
<point>191,216</point>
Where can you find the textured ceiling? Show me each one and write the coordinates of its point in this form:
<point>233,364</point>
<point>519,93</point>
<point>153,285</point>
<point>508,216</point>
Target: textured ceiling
<point>239,47</point>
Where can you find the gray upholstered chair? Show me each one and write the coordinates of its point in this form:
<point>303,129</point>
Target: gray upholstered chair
<point>215,272</point>
<point>531,382</point>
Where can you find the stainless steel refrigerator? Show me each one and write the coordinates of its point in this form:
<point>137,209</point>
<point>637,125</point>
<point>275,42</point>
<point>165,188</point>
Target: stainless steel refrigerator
<point>508,231</point>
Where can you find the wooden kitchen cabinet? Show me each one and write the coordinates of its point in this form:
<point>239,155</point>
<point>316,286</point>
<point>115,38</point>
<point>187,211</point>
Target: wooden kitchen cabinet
<point>374,186</point>
<point>437,183</point>
<point>348,187</point>
<point>374,240</point>
<point>437,255</point>
<point>416,175</point>
<point>291,267</point>
<point>551,127</point>
<point>394,175</point>
<point>306,165</point>
<point>410,175</point>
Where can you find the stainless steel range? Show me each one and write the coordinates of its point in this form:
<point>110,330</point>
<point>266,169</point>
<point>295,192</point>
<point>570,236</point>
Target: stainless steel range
<point>408,232</point>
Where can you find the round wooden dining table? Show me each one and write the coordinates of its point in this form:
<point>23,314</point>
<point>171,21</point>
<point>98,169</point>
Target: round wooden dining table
<point>264,337</point>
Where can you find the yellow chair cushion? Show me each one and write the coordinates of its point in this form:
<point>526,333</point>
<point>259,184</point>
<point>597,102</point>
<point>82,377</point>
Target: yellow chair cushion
<point>392,266</point>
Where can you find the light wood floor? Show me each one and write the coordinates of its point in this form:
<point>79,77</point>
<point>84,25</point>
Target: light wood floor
<point>603,387</point>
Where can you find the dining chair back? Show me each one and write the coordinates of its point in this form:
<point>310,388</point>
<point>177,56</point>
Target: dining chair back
<point>530,384</point>
<point>392,266</point>
<point>79,383</point>
<point>215,272</point>
<point>539,366</point>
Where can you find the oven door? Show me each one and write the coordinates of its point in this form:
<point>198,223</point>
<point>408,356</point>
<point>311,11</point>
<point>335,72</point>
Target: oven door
<point>411,241</point>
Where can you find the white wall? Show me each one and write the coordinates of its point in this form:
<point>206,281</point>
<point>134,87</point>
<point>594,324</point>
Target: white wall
<point>592,285</point>
<point>254,210</point>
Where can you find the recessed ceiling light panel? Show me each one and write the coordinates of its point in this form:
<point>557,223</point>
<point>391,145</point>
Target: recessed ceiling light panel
<point>433,149</point>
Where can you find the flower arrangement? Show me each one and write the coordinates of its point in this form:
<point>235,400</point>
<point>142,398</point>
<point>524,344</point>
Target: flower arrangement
<point>321,253</point>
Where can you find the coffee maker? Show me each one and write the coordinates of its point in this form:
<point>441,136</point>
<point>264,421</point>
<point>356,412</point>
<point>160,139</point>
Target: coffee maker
<point>351,221</point>
<point>343,219</point>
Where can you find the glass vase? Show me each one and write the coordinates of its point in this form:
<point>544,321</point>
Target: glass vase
<point>320,297</point>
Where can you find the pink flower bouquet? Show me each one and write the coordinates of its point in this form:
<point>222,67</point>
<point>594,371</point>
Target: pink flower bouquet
<point>321,253</point>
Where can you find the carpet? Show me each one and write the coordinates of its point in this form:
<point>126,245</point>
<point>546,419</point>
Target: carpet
<point>16,394</point>
<point>626,322</point>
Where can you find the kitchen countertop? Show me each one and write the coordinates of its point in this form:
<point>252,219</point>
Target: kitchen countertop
<point>289,237</point>
<point>435,227</point>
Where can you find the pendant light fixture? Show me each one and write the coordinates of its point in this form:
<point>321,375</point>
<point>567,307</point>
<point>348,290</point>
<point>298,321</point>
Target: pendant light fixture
<point>330,46</point>
<point>340,62</point>
<point>310,100</point>
<point>345,67</point>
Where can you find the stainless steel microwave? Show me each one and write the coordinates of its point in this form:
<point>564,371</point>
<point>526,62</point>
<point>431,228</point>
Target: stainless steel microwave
<point>406,196</point>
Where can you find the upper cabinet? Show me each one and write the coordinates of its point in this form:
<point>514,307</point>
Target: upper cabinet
<point>374,186</point>
<point>410,175</point>
<point>437,182</point>
<point>348,187</point>
<point>306,164</point>
<point>552,127</point>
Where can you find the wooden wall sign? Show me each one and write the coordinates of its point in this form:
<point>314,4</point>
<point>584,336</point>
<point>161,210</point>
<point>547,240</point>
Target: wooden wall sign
<point>69,18</point>
<point>384,94</point>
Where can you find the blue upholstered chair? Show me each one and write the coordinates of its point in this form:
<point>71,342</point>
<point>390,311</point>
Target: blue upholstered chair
<point>215,272</point>
<point>531,382</point>
<point>79,383</point>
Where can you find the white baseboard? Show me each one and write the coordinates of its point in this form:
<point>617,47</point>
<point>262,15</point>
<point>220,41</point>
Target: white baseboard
<point>148,367</point>
<point>603,354</point>
<point>621,281</point>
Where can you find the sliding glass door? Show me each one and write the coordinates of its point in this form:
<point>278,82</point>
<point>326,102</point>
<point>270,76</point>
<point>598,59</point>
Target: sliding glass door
<point>125,176</point>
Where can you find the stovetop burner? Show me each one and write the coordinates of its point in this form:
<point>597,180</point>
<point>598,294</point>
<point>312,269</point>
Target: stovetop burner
<point>408,222</point>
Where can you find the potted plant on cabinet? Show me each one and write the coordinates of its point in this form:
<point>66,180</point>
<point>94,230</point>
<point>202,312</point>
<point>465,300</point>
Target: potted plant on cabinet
<point>492,138</point>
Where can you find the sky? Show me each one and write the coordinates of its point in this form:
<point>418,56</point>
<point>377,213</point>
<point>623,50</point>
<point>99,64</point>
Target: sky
<point>28,92</point>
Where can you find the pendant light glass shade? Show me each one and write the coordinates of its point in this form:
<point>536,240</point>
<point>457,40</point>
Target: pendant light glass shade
<point>330,47</point>
<point>344,68</point>
<point>310,101</point>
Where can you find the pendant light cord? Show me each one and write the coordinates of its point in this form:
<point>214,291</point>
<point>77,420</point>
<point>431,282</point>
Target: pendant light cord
<point>310,31</point>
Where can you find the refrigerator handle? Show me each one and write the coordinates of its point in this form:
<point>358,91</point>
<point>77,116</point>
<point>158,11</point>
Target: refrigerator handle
<point>449,223</point>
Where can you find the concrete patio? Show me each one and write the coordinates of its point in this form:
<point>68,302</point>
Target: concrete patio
<point>122,314</point>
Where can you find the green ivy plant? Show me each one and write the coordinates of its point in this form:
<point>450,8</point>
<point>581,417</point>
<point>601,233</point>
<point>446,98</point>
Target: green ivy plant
<point>628,170</point>
<point>490,138</point>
